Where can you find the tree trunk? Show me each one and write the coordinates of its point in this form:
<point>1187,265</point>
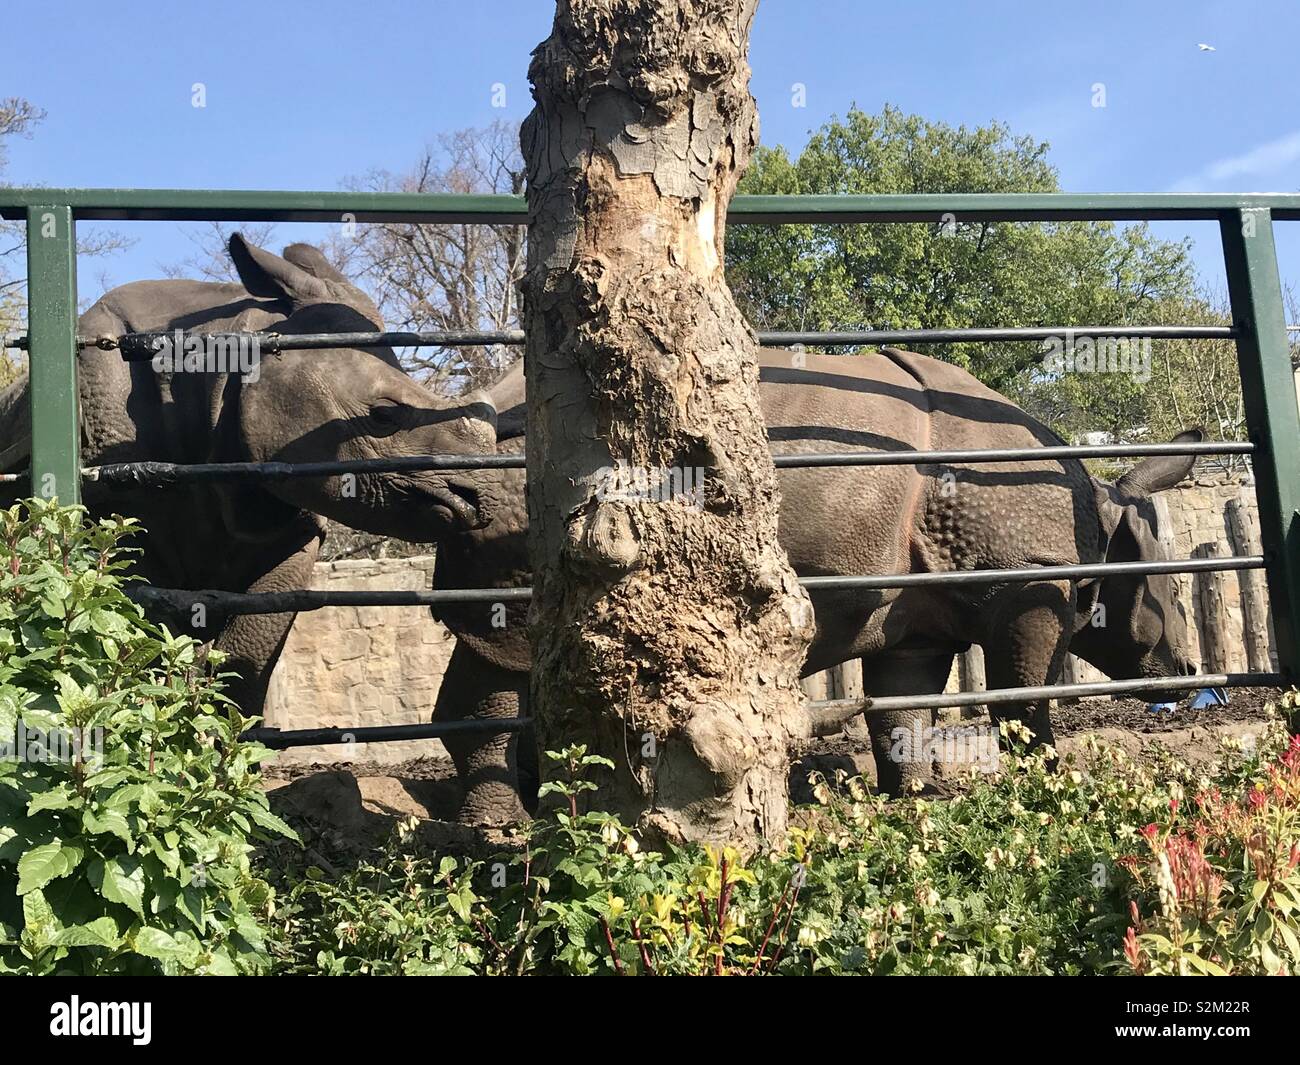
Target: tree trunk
<point>667,626</point>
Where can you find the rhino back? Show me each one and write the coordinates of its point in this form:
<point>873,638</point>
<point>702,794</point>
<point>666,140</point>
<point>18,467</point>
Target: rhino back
<point>903,518</point>
<point>845,520</point>
<point>131,412</point>
<point>851,519</point>
<point>1006,514</point>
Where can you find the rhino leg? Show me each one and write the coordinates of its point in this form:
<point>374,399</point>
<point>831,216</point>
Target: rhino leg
<point>898,737</point>
<point>487,764</point>
<point>1026,648</point>
<point>254,641</point>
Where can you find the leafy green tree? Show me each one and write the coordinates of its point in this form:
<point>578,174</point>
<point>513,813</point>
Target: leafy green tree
<point>952,273</point>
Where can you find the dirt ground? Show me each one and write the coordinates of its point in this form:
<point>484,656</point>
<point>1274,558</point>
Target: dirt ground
<point>347,803</point>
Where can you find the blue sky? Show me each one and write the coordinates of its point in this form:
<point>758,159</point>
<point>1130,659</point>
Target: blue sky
<point>305,94</point>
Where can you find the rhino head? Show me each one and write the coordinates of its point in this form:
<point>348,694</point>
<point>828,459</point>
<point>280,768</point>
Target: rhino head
<point>1137,627</point>
<point>344,404</point>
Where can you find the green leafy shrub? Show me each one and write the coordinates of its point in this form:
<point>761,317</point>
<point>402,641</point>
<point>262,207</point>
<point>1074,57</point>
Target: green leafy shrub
<point>1030,870</point>
<point>128,805</point>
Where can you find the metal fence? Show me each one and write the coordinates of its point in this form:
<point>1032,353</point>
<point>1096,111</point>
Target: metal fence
<point>1258,328</point>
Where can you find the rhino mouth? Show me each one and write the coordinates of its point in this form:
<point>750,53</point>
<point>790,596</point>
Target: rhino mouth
<point>460,503</point>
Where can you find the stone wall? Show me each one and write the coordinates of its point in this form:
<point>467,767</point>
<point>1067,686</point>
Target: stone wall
<point>383,665</point>
<point>1197,512</point>
<point>362,665</point>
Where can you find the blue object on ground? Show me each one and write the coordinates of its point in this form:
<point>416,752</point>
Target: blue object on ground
<point>1210,697</point>
<point>1161,708</point>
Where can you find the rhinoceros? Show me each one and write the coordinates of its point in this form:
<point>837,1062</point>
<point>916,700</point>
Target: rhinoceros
<point>871,520</point>
<point>298,406</point>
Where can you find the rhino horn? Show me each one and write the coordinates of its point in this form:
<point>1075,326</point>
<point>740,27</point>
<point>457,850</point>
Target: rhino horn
<point>479,406</point>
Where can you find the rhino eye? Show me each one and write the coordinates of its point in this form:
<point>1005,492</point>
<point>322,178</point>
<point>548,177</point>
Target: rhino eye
<point>388,414</point>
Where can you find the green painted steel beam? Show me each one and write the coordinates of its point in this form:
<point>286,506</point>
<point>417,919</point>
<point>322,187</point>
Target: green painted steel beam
<point>996,207</point>
<point>1269,392</point>
<point>237,205</point>
<point>52,352</point>
<point>232,205</point>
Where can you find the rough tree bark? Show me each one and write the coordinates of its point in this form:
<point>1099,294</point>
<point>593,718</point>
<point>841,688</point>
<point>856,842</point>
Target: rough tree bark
<point>667,633</point>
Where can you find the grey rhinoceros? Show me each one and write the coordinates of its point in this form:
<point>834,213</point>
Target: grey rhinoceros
<point>872,520</point>
<point>298,406</point>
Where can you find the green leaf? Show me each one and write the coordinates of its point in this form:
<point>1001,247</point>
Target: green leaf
<point>108,822</point>
<point>99,933</point>
<point>11,705</point>
<point>120,880</point>
<point>266,819</point>
<point>39,923</point>
<point>47,862</point>
<point>155,943</point>
<point>461,905</point>
<point>59,798</point>
<point>108,622</point>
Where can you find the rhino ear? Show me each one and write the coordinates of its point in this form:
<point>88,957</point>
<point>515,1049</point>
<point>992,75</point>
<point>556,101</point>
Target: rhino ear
<point>267,275</point>
<point>1161,472</point>
<point>310,258</point>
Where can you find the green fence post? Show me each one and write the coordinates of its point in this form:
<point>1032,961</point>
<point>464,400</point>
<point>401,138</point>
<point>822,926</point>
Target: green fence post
<point>52,353</point>
<point>1269,392</point>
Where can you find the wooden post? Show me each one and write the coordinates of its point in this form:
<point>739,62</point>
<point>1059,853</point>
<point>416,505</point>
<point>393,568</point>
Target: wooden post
<point>817,685</point>
<point>1212,612</point>
<point>970,668</point>
<point>1256,621</point>
<point>1069,675</point>
<point>846,680</point>
<point>1184,587</point>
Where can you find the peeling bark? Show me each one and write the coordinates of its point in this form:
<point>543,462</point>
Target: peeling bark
<point>667,633</point>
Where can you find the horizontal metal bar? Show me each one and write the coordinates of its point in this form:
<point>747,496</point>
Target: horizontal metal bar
<point>1021,334</point>
<point>124,475</point>
<point>1009,454</point>
<point>127,475</point>
<point>242,205</point>
<point>1030,574</point>
<point>946,208</point>
<point>300,600</point>
<point>291,206</point>
<point>1001,696</point>
<point>304,599</point>
<point>831,709</point>
<point>141,347</point>
<point>281,739</point>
